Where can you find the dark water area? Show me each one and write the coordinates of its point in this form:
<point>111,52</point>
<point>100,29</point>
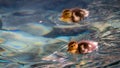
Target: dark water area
<point>32,36</point>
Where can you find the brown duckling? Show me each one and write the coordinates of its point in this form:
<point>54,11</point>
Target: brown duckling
<point>82,47</point>
<point>74,15</point>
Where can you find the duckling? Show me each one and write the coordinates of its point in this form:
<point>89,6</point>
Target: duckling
<point>82,47</point>
<point>74,15</point>
<point>73,47</point>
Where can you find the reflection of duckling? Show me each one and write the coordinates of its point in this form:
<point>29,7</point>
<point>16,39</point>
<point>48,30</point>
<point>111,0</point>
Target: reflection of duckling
<point>82,47</point>
<point>74,15</point>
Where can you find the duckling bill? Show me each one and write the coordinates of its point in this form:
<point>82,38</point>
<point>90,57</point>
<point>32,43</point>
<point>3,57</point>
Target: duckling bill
<point>74,15</point>
<point>82,47</point>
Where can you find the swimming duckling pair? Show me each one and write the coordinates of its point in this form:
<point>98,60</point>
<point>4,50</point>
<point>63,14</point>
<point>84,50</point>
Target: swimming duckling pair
<point>74,15</point>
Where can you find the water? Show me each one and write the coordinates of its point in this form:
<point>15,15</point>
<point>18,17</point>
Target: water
<point>31,35</point>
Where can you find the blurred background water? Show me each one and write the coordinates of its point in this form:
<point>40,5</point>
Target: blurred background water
<point>31,35</point>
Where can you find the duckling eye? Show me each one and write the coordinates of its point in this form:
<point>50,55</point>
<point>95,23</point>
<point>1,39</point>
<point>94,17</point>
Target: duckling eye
<point>71,46</point>
<point>67,13</point>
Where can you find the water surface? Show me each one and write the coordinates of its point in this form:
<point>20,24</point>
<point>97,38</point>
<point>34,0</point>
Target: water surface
<point>31,35</point>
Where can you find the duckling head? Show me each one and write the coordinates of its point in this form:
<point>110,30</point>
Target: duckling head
<point>66,16</point>
<point>72,47</point>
